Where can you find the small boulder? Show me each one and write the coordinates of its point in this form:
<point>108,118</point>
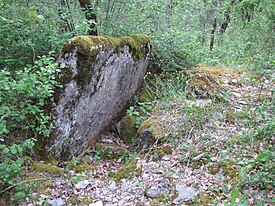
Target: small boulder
<point>209,81</point>
<point>185,193</point>
<point>159,190</point>
<point>56,202</point>
<point>149,132</point>
<point>127,130</point>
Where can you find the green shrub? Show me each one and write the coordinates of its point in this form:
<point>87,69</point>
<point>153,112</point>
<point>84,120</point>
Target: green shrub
<point>23,95</point>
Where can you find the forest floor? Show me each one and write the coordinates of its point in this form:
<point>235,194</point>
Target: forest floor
<point>217,149</point>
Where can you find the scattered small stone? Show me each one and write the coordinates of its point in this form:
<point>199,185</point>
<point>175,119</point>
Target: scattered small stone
<point>185,193</point>
<point>199,102</point>
<point>226,81</point>
<point>161,189</point>
<point>242,102</point>
<point>237,94</point>
<point>166,158</point>
<point>213,159</point>
<point>197,158</point>
<point>98,203</point>
<point>234,81</point>
<point>113,186</point>
<point>56,202</point>
<point>82,184</point>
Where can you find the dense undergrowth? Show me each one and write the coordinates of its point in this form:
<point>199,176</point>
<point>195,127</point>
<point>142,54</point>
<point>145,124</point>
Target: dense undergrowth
<point>181,34</point>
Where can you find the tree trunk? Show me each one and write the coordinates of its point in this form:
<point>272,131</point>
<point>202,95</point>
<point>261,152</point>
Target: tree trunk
<point>213,34</point>
<point>227,17</point>
<point>67,21</point>
<point>89,8</point>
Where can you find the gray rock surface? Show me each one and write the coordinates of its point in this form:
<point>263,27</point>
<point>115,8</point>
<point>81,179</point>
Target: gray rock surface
<point>98,79</point>
<point>185,193</point>
<point>56,202</point>
<point>162,188</point>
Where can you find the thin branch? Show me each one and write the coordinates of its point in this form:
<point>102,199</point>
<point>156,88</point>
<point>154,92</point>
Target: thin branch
<point>20,183</point>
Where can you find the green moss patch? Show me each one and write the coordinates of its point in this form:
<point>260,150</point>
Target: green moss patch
<point>47,168</point>
<point>210,81</point>
<point>81,165</point>
<point>91,45</point>
<point>127,171</point>
<point>159,152</point>
<point>127,130</point>
<point>87,48</point>
<point>228,169</point>
<point>111,151</point>
<point>42,183</point>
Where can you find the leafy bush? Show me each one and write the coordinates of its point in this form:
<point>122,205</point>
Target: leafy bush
<point>140,111</point>
<point>23,96</point>
<point>177,49</point>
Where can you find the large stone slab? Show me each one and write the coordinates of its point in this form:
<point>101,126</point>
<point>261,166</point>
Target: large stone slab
<point>100,75</point>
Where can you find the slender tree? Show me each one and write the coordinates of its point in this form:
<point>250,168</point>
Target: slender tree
<point>89,7</point>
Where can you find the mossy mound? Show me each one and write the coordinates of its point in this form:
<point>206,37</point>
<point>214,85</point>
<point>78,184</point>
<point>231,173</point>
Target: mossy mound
<point>81,165</point>
<point>47,168</point>
<point>42,183</point>
<point>149,132</point>
<point>228,169</point>
<point>111,151</point>
<point>212,81</point>
<point>159,152</point>
<point>127,171</point>
<point>127,130</point>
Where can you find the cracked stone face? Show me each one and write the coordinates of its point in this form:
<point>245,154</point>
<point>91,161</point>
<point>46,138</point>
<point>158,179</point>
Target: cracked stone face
<point>88,103</point>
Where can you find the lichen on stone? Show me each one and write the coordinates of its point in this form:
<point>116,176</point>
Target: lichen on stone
<point>87,47</point>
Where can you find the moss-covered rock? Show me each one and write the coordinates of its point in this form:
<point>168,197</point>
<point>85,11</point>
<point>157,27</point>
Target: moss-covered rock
<point>159,152</point>
<point>99,75</point>
<point>127,171</point>
<point>146,96</point>
<point>149,132</point>
<point>127,130</point>
<point>212,81</point>
<point>111,151</point>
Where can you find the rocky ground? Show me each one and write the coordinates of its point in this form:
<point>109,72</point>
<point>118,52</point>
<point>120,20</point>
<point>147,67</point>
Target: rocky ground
<point>214,149</point>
